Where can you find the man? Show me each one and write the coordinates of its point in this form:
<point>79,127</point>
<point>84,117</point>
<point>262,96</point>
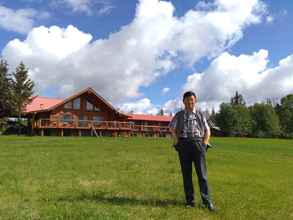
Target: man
<point>191,133</point>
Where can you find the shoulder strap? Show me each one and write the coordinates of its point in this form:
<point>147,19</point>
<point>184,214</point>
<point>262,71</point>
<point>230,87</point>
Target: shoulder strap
<point>201,120</point>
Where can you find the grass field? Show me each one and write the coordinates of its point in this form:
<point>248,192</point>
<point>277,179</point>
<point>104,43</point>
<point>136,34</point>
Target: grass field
<point>139,178</point>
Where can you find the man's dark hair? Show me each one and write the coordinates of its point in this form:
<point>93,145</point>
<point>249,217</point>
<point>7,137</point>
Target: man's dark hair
<point>188,94</point>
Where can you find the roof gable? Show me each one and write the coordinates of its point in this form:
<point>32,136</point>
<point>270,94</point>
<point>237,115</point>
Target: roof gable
<point>40,104</point>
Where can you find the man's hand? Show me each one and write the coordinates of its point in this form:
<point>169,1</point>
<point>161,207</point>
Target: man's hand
<point>207,136</point>
<point>174,137</point>
<point>175,140</point>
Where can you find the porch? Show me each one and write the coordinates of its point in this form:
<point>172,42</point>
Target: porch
<point>97,128</point>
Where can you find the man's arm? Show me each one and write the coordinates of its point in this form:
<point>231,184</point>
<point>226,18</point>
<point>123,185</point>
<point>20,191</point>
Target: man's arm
<point>172,126</point>
<point>174,136</point>
<point>207,136</point>
<point>207,132</point>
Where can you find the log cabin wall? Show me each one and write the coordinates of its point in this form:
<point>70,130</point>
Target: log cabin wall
<point>87,108</point>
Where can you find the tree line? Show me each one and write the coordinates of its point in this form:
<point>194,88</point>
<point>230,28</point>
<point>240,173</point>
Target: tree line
<point>264,119</point>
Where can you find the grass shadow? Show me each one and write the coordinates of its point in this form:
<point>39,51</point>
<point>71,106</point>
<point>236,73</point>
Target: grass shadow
<point>104,197</point>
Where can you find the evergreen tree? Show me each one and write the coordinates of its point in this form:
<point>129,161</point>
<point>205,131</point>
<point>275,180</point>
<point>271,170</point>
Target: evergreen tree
<point>213,115</point>
<point>237,99</point>
<point>22,89</point>
<point>161,112</point>
<point>6,105</point>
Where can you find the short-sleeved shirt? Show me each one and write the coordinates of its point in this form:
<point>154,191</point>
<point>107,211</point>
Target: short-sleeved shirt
<point>191,126</point>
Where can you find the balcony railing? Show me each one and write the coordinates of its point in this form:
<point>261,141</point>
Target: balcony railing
<point>99,125</point>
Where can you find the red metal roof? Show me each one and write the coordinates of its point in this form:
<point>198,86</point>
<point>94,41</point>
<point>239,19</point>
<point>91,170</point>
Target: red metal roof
<point>144,117</point>
<point>40,103</point>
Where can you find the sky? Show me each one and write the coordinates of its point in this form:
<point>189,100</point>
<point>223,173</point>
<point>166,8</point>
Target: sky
<point>142,55</point>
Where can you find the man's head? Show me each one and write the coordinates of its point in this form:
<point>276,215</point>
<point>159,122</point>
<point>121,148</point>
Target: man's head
<point>189,100</point>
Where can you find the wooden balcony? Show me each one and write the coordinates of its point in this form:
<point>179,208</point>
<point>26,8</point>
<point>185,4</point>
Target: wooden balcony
<point>99,125</point>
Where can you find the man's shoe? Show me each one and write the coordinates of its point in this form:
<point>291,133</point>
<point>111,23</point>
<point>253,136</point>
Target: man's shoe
<point>209,206</point>
<point>189,205</point>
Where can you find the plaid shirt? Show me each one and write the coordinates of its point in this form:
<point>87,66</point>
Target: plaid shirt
<point>191,127</point>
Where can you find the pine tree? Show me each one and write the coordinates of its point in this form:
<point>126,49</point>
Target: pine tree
<point>237,99</point>
<point>22,89</point>
<point>212,119</point>
<point>161,112</point>
<point>6,106</point>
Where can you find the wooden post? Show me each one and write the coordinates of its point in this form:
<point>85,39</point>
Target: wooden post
<point>42,132</point>
<point>94,130</point>
<point>33,123</point>
<point>79,132</point>
<point>62,132</point>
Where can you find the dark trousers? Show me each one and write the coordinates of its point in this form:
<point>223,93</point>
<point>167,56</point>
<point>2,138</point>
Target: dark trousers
<point>193,152</point>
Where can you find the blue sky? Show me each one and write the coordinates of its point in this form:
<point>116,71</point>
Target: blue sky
<point>274,34</point>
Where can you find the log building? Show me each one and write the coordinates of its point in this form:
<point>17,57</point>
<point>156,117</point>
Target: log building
<point>87,113</point>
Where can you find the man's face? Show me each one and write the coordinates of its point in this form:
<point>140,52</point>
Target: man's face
<point>189,102</point>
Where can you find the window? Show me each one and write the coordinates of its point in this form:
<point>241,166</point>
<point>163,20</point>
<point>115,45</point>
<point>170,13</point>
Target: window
<point>66,118</point>
<point>76,103</point>
<point>97,109</point>
<point>82,117</point>
<point>97,118</point>
<point>68,105</point>
<point>89,106</point>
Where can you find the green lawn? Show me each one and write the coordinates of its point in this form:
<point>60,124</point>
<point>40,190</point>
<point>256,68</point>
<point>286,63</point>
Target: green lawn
<point>139,178</point>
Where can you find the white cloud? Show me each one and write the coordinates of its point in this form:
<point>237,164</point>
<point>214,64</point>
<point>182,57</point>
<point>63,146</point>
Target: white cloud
<point>247,74</point>
<point>142,106</point>
<point>136,55</point>
<point>145,106</point>
<point>106,7</point>
<point>90,7</point>
<point>43,51</point>
<point>21,20</point>
<point>165,90</point>
<point>269,19</point>
<point>172,105</point>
